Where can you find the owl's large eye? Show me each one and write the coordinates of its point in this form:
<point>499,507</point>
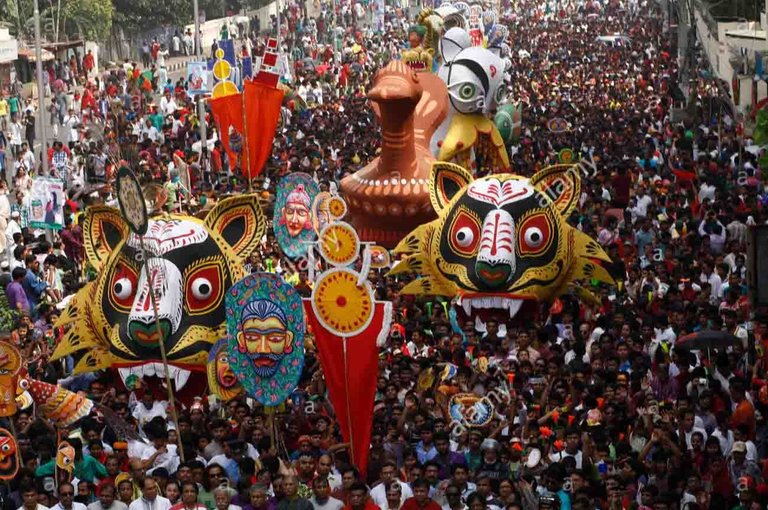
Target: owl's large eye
<point>500,94</point>
<point>534,235</point>
<point>464,234</point>
<point>467,91</point>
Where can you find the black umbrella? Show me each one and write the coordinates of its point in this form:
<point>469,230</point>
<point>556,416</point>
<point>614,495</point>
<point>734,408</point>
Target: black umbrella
<point>707,340</point>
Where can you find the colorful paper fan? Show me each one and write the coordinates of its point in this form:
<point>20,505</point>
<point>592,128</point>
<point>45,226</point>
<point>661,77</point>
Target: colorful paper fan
<point>557,125</point>
<point>426,379</point>
<point>566,156</point>
<point>471,410</point>
<point>380,257</point>
<point>449,371</point>
<point>58,404</point>
<point>340,304</point>
<point>339,244</point>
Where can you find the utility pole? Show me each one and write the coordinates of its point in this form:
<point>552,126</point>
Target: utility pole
<point>40,90</point>
<point>200,100</point>
<point>279,42</point>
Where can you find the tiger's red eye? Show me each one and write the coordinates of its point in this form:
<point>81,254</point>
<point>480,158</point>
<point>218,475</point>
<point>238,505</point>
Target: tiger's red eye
<point>534,235</point>
<point>464,234</point>
<point>123,288</point>
<point>204,288</point>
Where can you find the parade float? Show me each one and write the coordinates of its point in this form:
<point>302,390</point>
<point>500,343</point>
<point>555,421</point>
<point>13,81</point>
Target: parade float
<point>428,117</point>
<point>110,322</point>
<point>501,242</point>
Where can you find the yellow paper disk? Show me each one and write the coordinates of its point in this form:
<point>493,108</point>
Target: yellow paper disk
<point>337,207</point>
<point>339,244</point>
<point>341,306</point>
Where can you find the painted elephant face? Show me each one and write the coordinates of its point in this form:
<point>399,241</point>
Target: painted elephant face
<point>187,265</point>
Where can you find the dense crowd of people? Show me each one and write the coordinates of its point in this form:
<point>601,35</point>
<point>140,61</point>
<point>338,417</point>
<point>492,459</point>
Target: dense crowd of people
<point>596,406</point>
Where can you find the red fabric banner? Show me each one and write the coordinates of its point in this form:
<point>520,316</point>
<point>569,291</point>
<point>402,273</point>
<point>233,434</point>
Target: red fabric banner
<point>684,175</point>
<point>228,112</point>
<point>262,111</point>
<point>351,379</point>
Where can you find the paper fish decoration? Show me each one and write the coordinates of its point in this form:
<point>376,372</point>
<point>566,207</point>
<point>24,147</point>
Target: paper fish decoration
<point>56,403</point>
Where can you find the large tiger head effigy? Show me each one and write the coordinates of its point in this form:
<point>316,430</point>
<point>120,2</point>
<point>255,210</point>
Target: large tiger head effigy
<point>110,322</point>
<point>501,241</point>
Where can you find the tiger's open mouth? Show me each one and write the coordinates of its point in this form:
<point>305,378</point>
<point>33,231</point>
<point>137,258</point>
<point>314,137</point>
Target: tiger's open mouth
<point>417,65</point>
<point>503,308</point>
<point>145,370</point>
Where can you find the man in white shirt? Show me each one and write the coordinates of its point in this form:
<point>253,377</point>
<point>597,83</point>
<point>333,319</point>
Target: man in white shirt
<point>642,201</point>
<point>160,454</point>
<point>168,104</point>
<point>150,131</point>
<point>321,498</point>
<point>67,498</point>
<point>15,135</point>
<point>13,227</point>
<point>29,498</point>
<point>150,499</point>
<point>148,408</point>
<point>70,123</point>
<point>379,493</point>
<point>107,500</point>
<point>28,157</point>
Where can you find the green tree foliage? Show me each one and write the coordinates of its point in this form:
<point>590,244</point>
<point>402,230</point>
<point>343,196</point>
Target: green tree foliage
<point>90,19</point>
<point>140,15</point>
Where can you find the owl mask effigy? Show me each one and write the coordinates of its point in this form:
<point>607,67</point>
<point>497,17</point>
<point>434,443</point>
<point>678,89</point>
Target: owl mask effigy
<point>474,76</point>
<point>192,263</point>
<point>501,241</point>
<point>65,462</point>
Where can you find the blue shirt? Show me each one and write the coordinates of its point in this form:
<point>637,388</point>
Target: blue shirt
<point>423,455</point>
<point>34,287</point>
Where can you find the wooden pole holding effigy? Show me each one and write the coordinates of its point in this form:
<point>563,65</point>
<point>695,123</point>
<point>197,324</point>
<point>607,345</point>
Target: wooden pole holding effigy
<point>246,151</point>
<point>349,411</point>
<point>161,343</point>
<point>134,211</point>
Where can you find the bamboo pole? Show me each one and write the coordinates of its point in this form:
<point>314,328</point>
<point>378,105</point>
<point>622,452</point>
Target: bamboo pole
<point>161,342</point>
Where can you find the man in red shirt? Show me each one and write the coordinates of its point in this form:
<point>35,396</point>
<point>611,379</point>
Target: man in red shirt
<point>359,499</point>
<point>88,62</point>
<point>420,499</point>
